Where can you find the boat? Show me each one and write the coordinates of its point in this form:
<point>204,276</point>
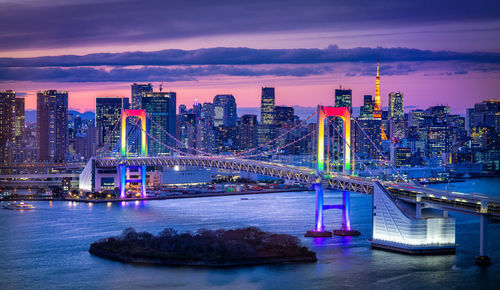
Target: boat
<point>19,206</point>
<point>244,198</point>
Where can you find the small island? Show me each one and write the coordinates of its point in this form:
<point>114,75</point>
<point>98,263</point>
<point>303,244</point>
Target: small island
<point>211,248</point>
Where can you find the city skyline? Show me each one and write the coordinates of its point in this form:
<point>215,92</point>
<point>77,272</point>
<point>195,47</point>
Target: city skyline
<point>442,55</point>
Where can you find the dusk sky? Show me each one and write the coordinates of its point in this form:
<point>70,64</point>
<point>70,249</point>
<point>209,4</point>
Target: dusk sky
<point>435,52</point>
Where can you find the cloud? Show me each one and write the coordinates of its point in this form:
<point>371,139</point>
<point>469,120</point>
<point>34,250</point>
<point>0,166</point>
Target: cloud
<point>49,24</point>
<point>250,56</point>
<point>168,74</point>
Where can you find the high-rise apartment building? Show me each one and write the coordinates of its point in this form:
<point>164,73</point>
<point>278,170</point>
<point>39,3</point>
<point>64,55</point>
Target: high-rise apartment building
<point>161,108</point>
<point>267,106</point>
<point>138,92</point>
<point>52,125</point>
<point>108,112</point>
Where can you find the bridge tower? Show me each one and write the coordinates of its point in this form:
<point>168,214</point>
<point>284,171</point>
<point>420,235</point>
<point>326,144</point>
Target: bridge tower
<point>319,231</point>
<point>123,168</point>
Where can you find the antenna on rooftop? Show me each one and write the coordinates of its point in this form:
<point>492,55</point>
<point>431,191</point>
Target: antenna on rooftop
<point>161,86</point>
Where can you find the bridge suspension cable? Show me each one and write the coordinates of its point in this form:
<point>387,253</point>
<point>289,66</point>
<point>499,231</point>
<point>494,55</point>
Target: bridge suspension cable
<point>108,136</point>
<point>378,150</point>
<point>242,154</point>
<point>175,139</point>
<point>282,147</point>
<point>166,145</point>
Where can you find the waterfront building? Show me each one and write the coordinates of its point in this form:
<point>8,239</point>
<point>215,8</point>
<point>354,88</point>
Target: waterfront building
<point>402,156</point>
<point>161,108</point>
<point>138,92</point>
<point>107,113</point>
<point>52,125</point>
<point>224,111</point>
<point>483,114</point>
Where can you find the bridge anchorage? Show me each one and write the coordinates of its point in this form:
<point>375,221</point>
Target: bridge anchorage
<point>407,217</point>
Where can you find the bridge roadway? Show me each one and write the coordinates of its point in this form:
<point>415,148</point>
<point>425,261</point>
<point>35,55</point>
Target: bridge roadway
<point>453,201</point>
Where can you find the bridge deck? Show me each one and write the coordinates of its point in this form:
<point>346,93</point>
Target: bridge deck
<point>453,201</point>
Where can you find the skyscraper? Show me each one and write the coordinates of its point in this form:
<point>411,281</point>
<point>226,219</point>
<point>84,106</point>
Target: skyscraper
<point>138,92</point>
<point>225,111</point>
<point>7,105</point>
<point>18,121</point>
<point>248,133</point>
<point>284,116</point>
<point>52,125</point>
<point>267,106</point>
<point>161,108</point>
<point>343,98</point>
<point>107,113</point>
<point>396,107</point>
<point>206,134</point>
<point>377,110</point>
<point>396,116</point>
<point>366,110</point>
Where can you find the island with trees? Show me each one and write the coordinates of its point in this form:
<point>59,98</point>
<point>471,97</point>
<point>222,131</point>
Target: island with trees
<point>218,248</point>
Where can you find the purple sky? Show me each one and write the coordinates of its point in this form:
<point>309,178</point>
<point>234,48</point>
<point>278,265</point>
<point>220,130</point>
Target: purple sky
<point>435,52</point>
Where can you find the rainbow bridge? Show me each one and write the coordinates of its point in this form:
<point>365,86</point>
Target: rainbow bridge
<point>407,217</point>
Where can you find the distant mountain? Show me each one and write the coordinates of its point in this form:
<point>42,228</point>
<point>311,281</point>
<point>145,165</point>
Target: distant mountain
<point>89,115</point>
<point>30,115</point>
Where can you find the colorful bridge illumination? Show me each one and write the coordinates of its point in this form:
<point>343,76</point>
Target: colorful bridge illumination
<point>141,114</point>
<point>345,115</point>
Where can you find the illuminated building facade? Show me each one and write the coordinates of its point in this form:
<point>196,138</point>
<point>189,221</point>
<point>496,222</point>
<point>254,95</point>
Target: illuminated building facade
<point>377,110</point>
<point>7,105</point>
<point>161,108</point>
<point>366,111</point>
<point>107,113</point>
<point>140,91</point>
<point>248,132</point>
<point>267,106</point>
<point>19,121</point>
<point>343,98</point>
<point>52,125</point>
<point>284,116</point>
<point>224,111</point>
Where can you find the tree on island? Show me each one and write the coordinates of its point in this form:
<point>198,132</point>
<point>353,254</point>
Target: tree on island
<point>210,247</point>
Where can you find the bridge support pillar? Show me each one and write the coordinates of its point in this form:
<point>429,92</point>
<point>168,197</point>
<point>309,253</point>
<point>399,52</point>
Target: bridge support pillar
<point>483,259</point>
<point>346,217</point>
<point>319,230</point>
<point>122,171</point>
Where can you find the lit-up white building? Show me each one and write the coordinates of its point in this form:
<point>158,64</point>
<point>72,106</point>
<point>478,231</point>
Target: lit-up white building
<point>403,227</point>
